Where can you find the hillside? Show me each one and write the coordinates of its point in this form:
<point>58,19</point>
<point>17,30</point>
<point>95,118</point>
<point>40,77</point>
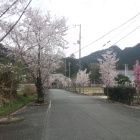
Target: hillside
<point>127,56</point>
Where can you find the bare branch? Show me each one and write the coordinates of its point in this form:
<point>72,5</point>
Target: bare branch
<point>16,22</point>
<point>9,8</point>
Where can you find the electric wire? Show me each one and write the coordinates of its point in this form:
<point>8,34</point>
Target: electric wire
<point>127,35</point>
<point>124,29</point>
<point>95,13</point>
<point>120,32</point>
<point>122,37</point>
<point>109,32</point>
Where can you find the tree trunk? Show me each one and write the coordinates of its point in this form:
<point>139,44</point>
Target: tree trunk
<point>138,96</point>
<point>107,88</point>
<point>40,91</point>
<point>83,88</point>
<point>79,89</point>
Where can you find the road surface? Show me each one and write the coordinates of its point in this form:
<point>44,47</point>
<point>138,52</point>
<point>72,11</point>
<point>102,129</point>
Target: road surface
<point>78,117</point>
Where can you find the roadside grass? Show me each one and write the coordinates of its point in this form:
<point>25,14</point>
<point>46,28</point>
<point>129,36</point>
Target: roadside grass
<point>90,88</point>
<point>17,103</point>
<point>86,88</point>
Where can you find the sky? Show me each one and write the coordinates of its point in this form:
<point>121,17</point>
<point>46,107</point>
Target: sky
<point>97,18</point>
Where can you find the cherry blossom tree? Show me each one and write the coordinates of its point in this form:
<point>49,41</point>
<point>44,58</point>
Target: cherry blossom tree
<point>137,78</point>
<point>37,41</point>
<point>108,68</point>
<point>137,74</point>
<point>10,14</point>
<point>59,78</point>
<point>82,78</point>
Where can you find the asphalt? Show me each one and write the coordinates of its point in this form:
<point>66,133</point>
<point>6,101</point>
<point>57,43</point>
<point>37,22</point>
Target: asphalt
<point>70,116</point>
<point>79,117</point>
<point>31,128</point>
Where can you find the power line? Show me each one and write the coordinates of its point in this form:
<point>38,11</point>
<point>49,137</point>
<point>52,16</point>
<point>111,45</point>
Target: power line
<point>96,12</point>
<point>120,32</point>
<point>122,37</point>
<point>110,32</point>
<point>127,35</point>
<point>124,29</point>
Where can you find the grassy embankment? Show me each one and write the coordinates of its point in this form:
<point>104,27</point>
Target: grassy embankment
<point>17,103</point>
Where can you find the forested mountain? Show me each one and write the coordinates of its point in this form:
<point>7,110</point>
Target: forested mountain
<point>127,56</point>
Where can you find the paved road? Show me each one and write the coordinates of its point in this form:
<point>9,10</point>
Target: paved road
<point>71,116</point>
<point>78,117</point>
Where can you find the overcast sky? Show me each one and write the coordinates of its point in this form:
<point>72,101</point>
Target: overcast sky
<point>97,17</point>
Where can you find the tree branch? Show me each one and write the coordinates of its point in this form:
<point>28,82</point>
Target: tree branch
<point>9,8</point>
<point>16,21</point>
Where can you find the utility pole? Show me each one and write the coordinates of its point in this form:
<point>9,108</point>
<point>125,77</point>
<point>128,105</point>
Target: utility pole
<point>126,73</point>
<point>80,47</point>
<point>69,68</point>
<point>126,69</point>
<point>79,42</point>
<point>65,68</point>
<point>79,53</point>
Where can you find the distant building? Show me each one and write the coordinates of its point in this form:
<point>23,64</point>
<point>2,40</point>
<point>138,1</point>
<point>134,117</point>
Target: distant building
<point>130,74</point>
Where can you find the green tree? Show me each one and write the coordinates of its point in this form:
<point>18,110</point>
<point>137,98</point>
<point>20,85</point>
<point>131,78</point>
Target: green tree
<point>73,66</point>
<point>121,79</point>
<point>94,69</point>
<point>85,66</point>
<point>72,56</point>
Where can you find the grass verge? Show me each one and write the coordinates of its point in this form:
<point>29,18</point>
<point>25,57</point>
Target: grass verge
<point>5,121</point>
<point>17,103</point>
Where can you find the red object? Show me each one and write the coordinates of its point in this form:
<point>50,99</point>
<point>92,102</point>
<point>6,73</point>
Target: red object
<point>137,74</point>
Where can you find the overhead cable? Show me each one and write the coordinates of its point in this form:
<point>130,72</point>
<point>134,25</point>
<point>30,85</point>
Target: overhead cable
<point>120,32</point>
<point>110,32</point>
<point>127,34</point>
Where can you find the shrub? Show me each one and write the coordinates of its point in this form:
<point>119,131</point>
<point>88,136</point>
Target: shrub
<point>29,89</point>
<point>121,94</point>
<point>17,103</point>
<point>7,78</point>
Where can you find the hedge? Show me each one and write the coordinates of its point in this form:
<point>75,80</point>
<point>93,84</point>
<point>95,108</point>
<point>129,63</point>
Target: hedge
<point>121,94</point>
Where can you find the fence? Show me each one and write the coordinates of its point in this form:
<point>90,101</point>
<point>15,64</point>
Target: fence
<point>87,90</point>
